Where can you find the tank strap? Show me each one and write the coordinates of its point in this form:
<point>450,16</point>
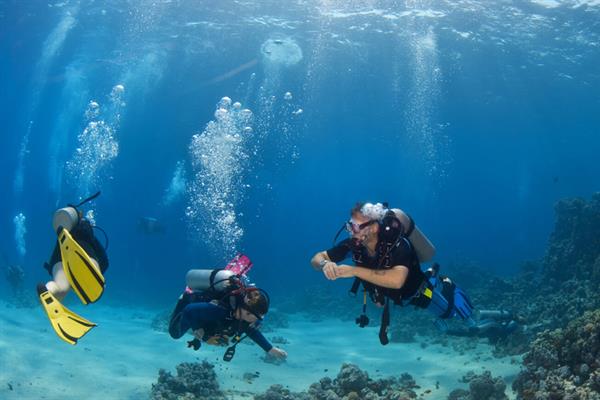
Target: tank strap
<point>213,274</point>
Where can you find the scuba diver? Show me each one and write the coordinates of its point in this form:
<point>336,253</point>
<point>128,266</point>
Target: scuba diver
<point>387,248</point>
<point>78,262</point>
<point>491,324</point>
<point>220,306</point>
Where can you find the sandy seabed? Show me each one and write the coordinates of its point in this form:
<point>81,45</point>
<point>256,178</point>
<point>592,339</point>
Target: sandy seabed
<point>120,358</point>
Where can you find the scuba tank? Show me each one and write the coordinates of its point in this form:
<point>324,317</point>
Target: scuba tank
<point>220,278</point>
<point>423,247</point>
<point>208,279</point>
<point>67,217</point>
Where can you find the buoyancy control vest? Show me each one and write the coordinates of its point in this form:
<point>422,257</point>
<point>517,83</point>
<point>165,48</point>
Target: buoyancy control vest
<point>395,226</point>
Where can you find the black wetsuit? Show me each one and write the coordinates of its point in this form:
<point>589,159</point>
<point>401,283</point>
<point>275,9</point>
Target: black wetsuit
<point>83,233</point>
<point>214,319</point>
<point>400,254</point>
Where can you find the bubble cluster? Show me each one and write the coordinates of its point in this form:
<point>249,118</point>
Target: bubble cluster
<point>20,231</point>
<point>92,111</point>
<point>90,215</point>
<point>177,186</point>
<point>117,91</point>
<point>424,93</point>
<point>97,145</point>
<point>218,158</point>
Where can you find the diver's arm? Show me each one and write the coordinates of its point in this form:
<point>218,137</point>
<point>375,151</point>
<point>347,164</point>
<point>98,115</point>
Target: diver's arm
<point>393,278</point>
<point>259,339</point>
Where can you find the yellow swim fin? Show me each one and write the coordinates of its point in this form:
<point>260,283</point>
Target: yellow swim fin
<point>84,276</point>
<point>68,326</point>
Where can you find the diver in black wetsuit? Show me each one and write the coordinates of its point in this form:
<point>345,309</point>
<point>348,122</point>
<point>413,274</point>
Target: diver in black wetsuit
<point>387,248</point>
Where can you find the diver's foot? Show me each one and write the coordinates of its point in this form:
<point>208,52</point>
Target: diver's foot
<point>433,270</point>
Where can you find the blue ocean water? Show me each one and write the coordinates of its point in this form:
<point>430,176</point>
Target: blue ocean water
<point>475,117</point>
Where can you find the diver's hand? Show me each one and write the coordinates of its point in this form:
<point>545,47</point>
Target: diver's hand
<point>199,333</point>
<point>329,270</point>
<point>278,353</point>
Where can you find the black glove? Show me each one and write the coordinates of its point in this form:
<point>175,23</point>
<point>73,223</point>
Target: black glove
<point>195,344</point>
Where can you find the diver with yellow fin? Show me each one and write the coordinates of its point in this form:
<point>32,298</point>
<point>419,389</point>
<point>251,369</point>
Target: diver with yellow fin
<point>78,261</point>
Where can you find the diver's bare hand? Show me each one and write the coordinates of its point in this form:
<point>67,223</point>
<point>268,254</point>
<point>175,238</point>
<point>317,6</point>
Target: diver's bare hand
<point>199,333</point>
<point>329,270</point>
<point>278,353</point>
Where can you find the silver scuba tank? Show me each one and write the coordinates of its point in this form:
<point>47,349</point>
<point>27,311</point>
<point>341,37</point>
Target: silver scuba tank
<point>66,217</point>
<point>203,279</point>
<point>423,247</point>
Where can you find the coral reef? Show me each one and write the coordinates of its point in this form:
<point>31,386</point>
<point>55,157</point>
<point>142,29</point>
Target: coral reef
<point>278,392</point>
<point>351,383</point>
<point>548,294</point>
<point>481,387</point>
<point>194,381</point>
<point>564,363</point>
<point>574,247</point>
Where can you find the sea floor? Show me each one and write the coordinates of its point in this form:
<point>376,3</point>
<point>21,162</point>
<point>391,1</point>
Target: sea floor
<point>120,358</point>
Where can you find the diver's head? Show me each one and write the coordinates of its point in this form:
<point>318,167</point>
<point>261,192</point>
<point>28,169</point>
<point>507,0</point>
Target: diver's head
<point>254,307</point>
<point>66,217</point>
<point>364,222</point>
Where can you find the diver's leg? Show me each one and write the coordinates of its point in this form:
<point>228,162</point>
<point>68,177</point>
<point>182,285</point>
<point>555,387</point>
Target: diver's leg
<point>463,306</point>
<point>59,285</point>
<point>177,327</point>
